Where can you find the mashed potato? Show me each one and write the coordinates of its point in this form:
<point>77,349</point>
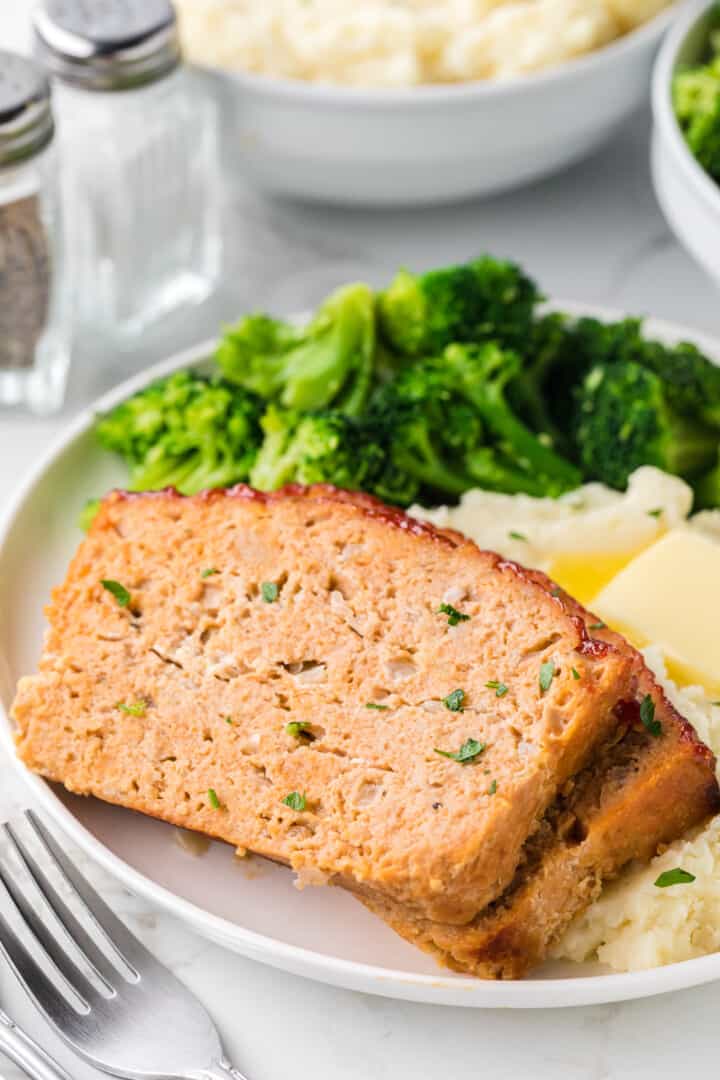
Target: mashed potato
<point>387,43</point>
<point>587,536</point>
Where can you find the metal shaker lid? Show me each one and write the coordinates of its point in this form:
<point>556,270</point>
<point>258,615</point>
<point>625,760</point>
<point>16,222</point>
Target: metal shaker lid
<point>107,44</point>
<point>26,121</point>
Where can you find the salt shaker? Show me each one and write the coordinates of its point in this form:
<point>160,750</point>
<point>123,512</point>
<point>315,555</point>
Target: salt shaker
<point>140,153</point>
<point>34,308</point>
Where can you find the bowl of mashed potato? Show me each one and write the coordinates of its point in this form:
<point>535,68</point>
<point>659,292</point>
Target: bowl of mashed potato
<point>402,102</point>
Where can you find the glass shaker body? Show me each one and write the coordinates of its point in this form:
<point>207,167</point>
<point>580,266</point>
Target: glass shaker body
<point>140,187</point>
<point>35,310</point>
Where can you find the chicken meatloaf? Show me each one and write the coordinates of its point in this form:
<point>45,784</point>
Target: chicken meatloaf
<point>315,677</point>
<point>649,787</point>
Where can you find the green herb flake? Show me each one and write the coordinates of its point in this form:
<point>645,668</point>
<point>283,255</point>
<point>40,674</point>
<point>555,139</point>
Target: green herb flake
<point>213,799</point>
<point>469,750</point>
<point>658,512</point>
<point>499,687</point>
<point>297,728</point>
<point>117,590</point>
<point>555,593</point>
<point>454,616</point>
<point>678,876</point>
<point>295,801</point>
<point>597,626</point>
<point>209,572</point>
<point>374,705</point>
<point>575,673</point>
<point>270,592</point>
<point>647,716</point>
<point>517,536</point>
<point>135,708</point>
<point>454,701</point>
<point>547,674</point>
<point>228,720</point>
<point>493,788</point>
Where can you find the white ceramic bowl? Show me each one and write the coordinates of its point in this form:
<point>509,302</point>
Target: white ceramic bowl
<point>690,199</point>
<point>432,143</point>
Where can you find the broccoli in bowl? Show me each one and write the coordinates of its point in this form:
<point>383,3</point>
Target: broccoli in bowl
<point>696,100</point>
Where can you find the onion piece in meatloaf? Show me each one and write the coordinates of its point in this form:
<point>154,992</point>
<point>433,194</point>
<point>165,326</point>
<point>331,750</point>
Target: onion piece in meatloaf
<point>277,671</point>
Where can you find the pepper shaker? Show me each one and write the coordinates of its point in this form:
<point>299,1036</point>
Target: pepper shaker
<point>140,153</point>
<point>34,308</point>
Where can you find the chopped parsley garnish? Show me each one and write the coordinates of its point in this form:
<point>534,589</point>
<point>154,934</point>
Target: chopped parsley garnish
<point>555,593</point>
<point>295,801</point>
<point>135,708</point>
<point>228,720</point>
<point>374,705</point>
<point>647,716</point>
<point>656,513</point>
<point>493,788</point>
<point>597,626</point>
<point>209,572</point>
<point>547,673</point>
<point>296,728</point>
<point>499,687</point>
<point>469,750</point>
<point>575,673</point>
<point>117,590</point>
<point>270,592</point>
<point>454,616</point>
<point>678,876</point>
<point>517,536</point>
<point>213,799</point>
<point>454,701</point>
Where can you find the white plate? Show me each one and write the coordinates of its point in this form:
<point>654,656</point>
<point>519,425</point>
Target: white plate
<point>251,908</point>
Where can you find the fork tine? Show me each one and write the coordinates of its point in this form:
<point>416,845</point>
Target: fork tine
<point>125,946</point>
<point>71,973</point>
<point>36,983</point>
<point>67,918</point>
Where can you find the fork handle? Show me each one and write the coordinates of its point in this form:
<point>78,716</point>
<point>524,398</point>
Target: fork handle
<point>221,1070</point>
<point>27,1054</point>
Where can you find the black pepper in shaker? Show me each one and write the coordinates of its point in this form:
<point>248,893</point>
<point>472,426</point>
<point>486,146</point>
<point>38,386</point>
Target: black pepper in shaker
<point>34,330</point>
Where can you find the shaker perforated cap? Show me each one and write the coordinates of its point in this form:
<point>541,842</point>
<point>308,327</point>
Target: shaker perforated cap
<point>107,44</point>
<point>26,121</point>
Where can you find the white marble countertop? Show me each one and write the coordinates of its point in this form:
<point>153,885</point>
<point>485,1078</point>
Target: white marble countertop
<point>593,234</point>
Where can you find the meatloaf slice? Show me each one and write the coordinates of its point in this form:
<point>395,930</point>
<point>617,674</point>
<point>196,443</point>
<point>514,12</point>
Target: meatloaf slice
<point>645,790</point>
<point>295,643</point>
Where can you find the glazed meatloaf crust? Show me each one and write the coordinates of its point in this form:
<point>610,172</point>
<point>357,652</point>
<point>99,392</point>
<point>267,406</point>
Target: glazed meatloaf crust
<point>645,790</point>
<point>276,671</point>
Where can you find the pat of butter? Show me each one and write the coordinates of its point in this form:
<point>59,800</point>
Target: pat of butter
<point>670,596</point>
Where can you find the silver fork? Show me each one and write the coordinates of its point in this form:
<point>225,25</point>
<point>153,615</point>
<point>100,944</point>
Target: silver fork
<point>115,1005</point>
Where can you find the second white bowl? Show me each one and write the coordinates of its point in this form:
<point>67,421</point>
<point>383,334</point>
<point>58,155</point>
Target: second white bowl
<point>688,196</point>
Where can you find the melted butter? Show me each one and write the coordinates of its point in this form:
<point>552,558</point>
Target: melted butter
<point>583,576</point>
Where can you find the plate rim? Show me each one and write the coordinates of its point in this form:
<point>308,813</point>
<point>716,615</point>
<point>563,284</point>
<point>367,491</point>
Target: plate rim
<point>440,988</point>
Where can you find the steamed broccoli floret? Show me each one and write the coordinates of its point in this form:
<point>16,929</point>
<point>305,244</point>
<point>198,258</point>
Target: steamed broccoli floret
<point>450,426</point>
<point>187,432</point>
<point>627,419</point>
<point>533,388</point>
<point>484,372</point>
<point>327,448</point>
<point>328,363</point>
<point>560,357</point>
<point>707,489</point>
<point>696,98</point>
<point>482,300</point>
